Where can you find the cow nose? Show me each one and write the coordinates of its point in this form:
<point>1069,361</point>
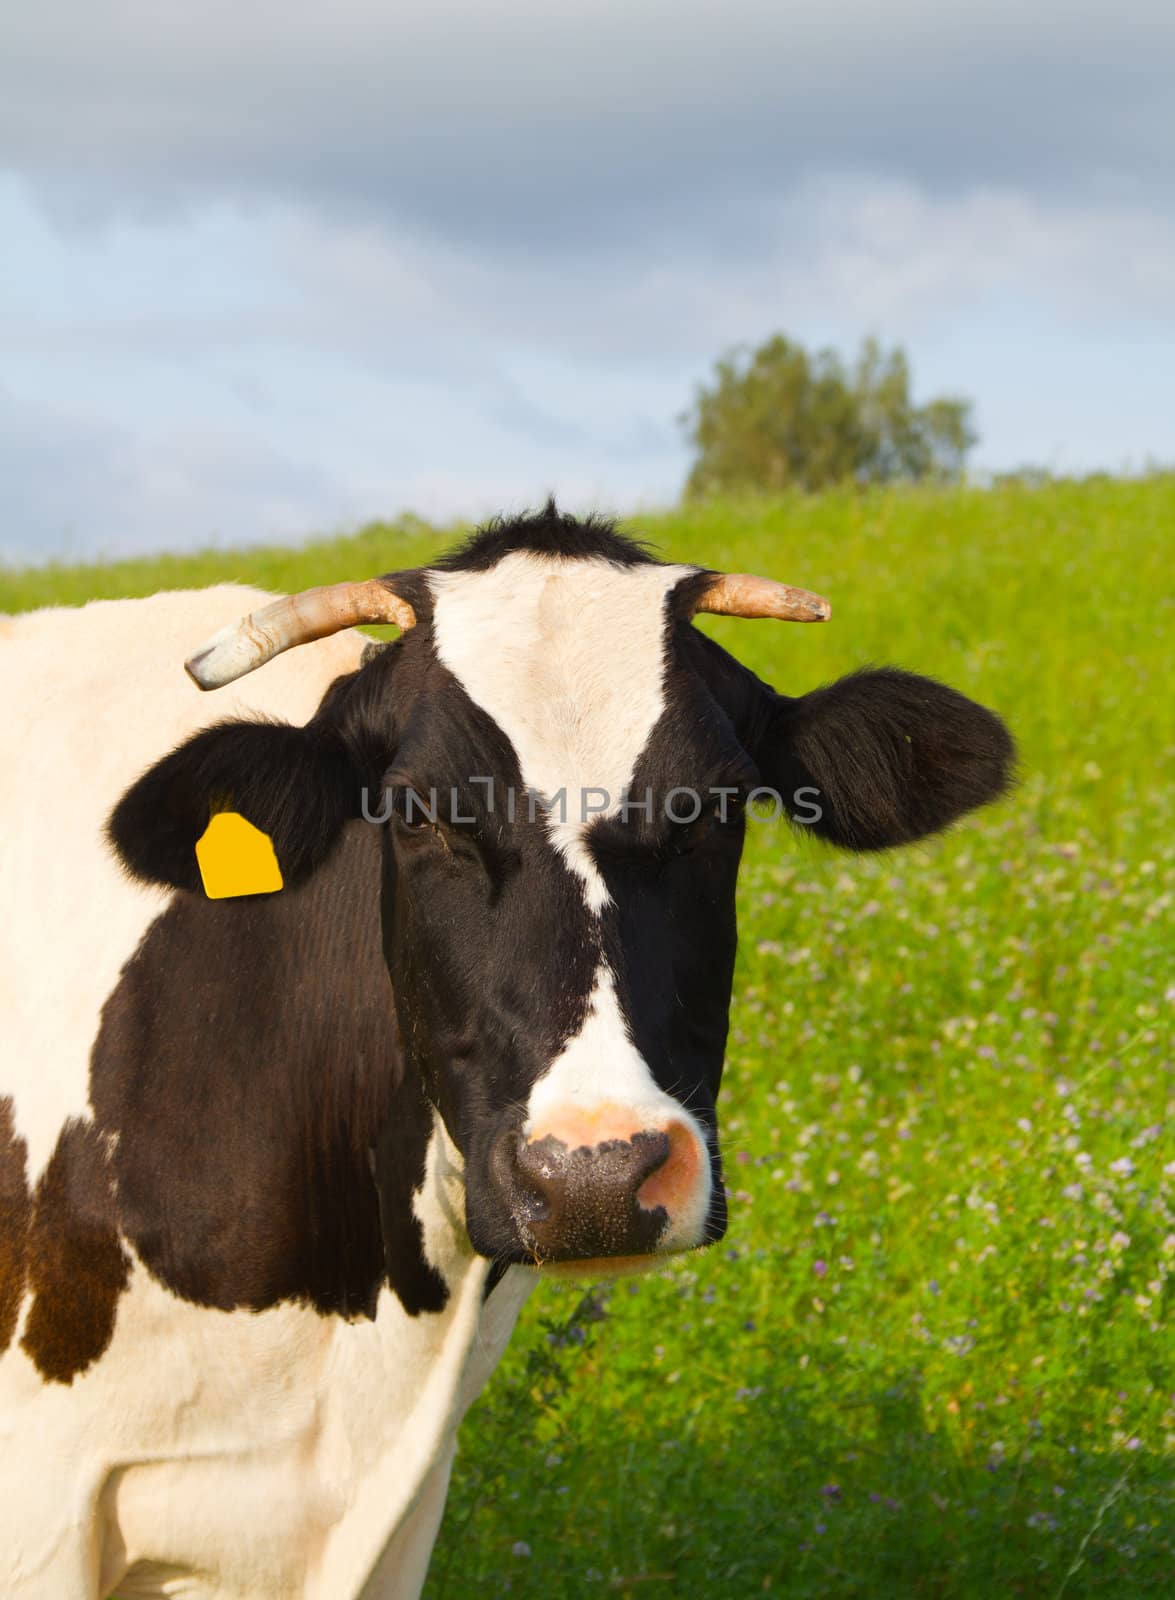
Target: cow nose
<point>576,1197</point>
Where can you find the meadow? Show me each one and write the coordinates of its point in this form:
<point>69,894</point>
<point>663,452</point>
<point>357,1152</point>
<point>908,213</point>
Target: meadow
<point>930,1357</point>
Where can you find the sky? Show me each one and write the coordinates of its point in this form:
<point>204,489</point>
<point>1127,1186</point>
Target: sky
<point>270,270</point>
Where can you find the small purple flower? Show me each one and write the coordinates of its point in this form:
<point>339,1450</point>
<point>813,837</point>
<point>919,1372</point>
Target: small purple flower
<point>820,1268</point>
<point>831,1491</point>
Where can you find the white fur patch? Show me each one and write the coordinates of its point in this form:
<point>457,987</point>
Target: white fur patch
<point>568,657</point>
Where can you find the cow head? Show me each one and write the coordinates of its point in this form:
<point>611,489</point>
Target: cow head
<point>559,765</point>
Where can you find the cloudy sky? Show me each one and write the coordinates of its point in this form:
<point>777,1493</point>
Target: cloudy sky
<point>267,269</point>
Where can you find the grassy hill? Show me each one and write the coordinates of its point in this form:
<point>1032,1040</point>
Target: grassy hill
<point>928,1360</point>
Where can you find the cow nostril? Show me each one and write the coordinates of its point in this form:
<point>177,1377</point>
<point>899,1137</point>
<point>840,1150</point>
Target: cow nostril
<point>535,1180</point>
<point>531,1205</point>
<point>652,1151</point>
<point>673,1179</point>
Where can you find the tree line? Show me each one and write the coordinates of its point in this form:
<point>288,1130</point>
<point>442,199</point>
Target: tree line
<point>780,417</point>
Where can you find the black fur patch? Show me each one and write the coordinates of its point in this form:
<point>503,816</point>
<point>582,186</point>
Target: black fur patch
<point>77,1267</point>
<point>249,1063</point>
<point>498,1270</point>
<point>15,1217</point>
<point>894,756</point>
<point>549,532</point>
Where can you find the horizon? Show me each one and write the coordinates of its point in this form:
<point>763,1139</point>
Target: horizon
<point>410,526</point>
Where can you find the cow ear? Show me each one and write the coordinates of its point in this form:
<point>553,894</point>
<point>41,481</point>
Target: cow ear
<point>884,756</point>
<point>295,784</point>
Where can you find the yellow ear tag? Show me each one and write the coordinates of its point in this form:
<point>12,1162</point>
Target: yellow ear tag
<point>235,858</point>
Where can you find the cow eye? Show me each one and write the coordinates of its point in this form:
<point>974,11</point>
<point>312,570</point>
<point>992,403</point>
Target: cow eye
<point>414,820</point>
<point>414,810</point>
<point>721,815</point>
<point>687,836</point>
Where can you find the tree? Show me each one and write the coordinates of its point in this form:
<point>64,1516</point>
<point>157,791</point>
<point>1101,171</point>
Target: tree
<point>780,417</point>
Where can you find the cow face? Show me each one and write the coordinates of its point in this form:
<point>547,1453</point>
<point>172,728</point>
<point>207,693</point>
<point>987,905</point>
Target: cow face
<point>558,764</point>
<point>560,939</point>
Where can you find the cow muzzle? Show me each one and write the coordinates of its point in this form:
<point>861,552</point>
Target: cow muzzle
<point>605,1189</point>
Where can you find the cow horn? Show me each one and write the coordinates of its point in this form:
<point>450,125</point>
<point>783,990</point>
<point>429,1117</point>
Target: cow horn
<point>740,594</point>
<point>314,614</point>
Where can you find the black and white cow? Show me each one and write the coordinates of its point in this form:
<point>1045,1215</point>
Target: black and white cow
<point>277,1171</point>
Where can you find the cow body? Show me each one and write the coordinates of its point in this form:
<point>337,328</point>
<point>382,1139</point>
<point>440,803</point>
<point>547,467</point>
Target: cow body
<point>278,1170</point>
<point>182,1450</point>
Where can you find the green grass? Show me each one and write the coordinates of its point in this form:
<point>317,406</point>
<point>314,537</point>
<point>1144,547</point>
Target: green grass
<point>928,1360</point>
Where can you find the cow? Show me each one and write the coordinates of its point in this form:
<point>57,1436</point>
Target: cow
<point>280,1165</point>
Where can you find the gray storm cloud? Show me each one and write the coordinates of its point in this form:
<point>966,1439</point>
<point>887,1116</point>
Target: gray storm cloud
<point>271,267</point>
<point>536,127</point>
